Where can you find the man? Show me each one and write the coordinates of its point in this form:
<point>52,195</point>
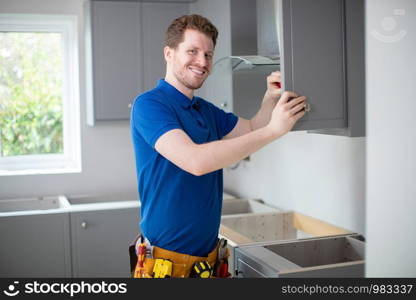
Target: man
<point>183,142</point>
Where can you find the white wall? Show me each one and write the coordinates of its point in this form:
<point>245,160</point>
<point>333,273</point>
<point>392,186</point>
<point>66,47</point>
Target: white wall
<point>107,154</point>
<point>318,175</point>
<point>391,142</point>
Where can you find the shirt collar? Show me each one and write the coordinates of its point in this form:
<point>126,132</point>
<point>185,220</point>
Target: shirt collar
<point>176,95</point>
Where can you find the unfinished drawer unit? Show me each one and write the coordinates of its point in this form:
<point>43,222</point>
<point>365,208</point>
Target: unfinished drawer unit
<point>245,229</point>
<point>237,206</point>
<point>340,256</point>
<point>271,226</point>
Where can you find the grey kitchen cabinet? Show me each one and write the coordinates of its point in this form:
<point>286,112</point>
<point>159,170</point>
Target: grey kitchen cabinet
<point>124,53</point>
<point>322,57</point>
<point>312,59</point>
<point>320,44</point>
<point>100,240</point>
<point>321,49</point>
<point>354,75</point>
<point>56,236</point>
<point>35,246</point>
<point>113,57</point>
<point>338,256</point>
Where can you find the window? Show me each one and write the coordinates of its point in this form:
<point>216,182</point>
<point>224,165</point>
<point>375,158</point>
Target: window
<point>39,95</point>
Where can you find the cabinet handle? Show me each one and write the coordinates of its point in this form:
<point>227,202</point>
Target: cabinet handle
<point>84,225</point>
<point>308,107</point>
<point>223,104</point>
<point>129,105</point>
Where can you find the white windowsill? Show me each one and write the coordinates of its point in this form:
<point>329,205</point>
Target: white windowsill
<point>39,171</point>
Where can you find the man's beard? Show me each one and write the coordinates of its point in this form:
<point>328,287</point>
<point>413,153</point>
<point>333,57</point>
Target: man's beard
<point>188,84</point>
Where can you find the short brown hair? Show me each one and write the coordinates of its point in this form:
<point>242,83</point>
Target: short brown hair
<point>175,31</point>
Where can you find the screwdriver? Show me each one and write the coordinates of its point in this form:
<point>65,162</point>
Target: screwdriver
<point>141,254</point>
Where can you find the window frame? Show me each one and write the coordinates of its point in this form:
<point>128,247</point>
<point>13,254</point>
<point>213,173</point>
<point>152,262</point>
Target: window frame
<point>70,160</point>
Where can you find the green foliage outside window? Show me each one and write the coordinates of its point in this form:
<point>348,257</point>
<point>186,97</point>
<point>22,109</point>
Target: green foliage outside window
<point>31,73</point>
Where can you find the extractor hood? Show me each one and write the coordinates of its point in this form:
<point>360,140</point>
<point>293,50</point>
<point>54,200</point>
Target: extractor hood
<point>249,63</point>
<point>264,40</point>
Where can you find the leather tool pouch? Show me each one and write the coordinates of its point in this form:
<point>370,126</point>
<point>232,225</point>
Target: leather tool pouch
<point>133,255</point>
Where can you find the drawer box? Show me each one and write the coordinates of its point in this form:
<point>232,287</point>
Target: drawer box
<point>271,226</point>
<point>339,256</point>
<point>251,228</point>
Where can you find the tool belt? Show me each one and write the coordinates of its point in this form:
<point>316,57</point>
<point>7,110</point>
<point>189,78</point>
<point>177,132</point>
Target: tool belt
<point>148,261</point>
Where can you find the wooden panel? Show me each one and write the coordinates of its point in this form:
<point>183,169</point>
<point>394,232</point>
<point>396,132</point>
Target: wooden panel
<point>263,227</point>
<point>234,236</point>
<point>269,226</point>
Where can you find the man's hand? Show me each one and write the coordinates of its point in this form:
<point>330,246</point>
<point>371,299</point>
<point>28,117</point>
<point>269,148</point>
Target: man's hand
<point>274,89</point>
<point>286,113</point>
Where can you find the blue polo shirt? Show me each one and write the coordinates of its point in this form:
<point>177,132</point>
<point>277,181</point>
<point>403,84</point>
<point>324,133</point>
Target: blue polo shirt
<point>179,211</point>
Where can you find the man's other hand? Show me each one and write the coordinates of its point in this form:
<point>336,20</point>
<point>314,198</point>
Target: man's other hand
<point>274,86</point>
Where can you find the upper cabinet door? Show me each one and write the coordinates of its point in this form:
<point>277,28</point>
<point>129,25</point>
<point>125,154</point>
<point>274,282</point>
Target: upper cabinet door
<point>321,54</point>
<point>124,54</point>
<point>312,59</point>
<point>115,59</point>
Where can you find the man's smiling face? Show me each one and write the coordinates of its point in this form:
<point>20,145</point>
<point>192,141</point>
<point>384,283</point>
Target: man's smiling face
<point>191,61</point>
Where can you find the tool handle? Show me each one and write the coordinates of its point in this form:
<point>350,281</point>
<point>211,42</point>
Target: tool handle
<point>141,252</point>
<point>223,272</point>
